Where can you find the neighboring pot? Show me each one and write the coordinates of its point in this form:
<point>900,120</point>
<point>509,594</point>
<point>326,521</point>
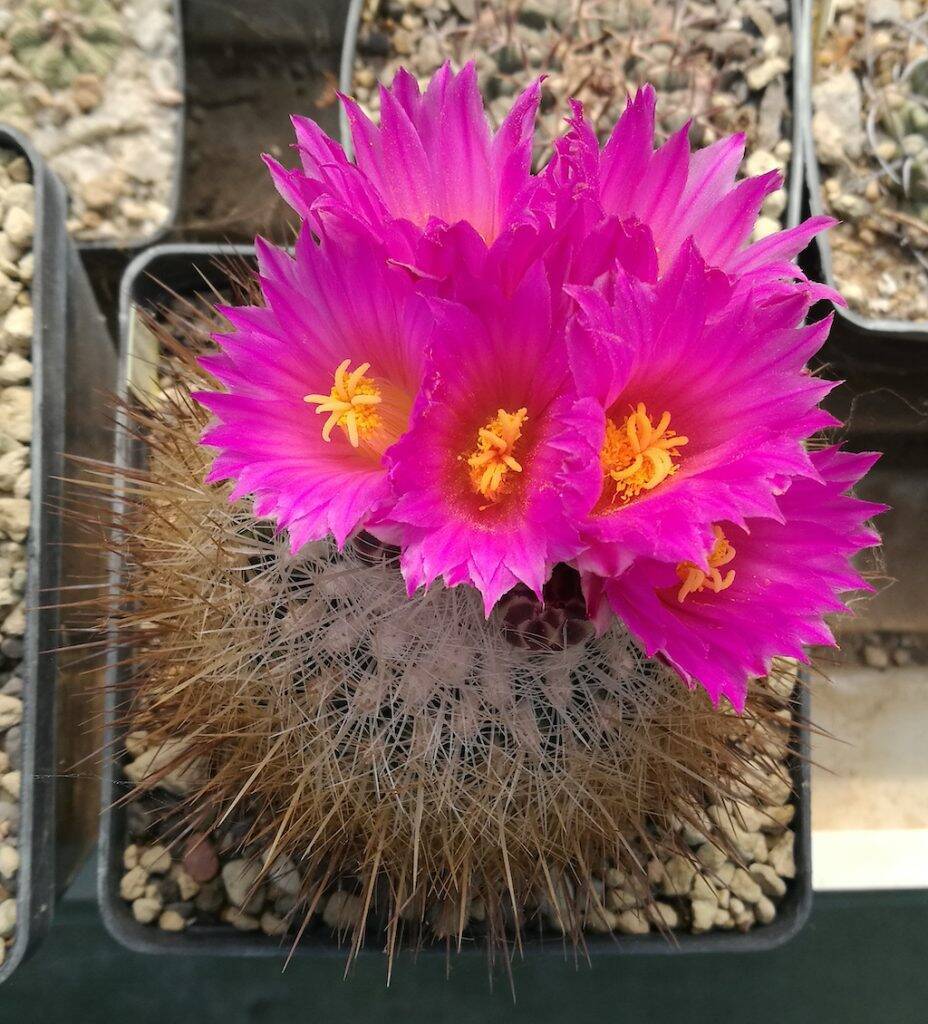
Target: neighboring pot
<point>151,279</point>
<point>894,346</point>
<point>173,202</point>
<point>794,184</point>
<point>73,365</point>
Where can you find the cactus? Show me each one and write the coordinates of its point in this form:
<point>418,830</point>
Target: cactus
<point>71,37</point>
<point>897,117</point>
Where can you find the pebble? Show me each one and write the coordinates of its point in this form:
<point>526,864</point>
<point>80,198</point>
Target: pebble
<point>745,887</point>
<point>211,897</point>
<point>284,878</point>
<point>777,818</point>
<point>876,657</point>
<point>16,411</point>
<point>19,225</point>
<point>240,920</point>
<point>632,922</point>
<point>837,122</point>
<point>7,918</point>
<point>172,921</point>
<point>762,75</point>
<point>602,920</point>
<point>12,464</point>
<point>342,910</point>
<point>765,910</point>
<point>144,770</point>
<point>156,860</point>
<point>710,856</point>
<point>679,876</point>
<point>704,890</point>
<point>186,885</point>
<point>16,333</point>
<point>240,878</point>
<point>9,290</point>
<point>9,861</point>
<point>133,882</point>
<point>782,857</point>
<point>11,783</point>
<point>272,925</point>
<point>146,909</point>
<point>200,860</point>
<point>664,915</point>
<point>11,711</point>
<point>771,884</point>
<point>766,226</point>
<point>9,817</point>
<point>704,912</point>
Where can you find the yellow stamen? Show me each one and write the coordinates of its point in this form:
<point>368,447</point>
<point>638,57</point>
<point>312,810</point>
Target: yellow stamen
<point>492,460</point>
<point>693,579</point>
<point>637,456</point>
<point>351,404</point>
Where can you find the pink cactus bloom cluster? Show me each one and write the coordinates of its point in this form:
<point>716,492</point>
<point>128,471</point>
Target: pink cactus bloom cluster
<point>499,371</point>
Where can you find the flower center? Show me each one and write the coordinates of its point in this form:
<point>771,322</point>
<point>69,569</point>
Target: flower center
<point>351,404</point>
<point>492,461</point>
<point>638,455</point>
<point>694,580</point>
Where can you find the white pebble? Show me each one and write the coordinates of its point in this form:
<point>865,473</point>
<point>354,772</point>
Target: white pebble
<point>9,861</point>
<point>342,911</point>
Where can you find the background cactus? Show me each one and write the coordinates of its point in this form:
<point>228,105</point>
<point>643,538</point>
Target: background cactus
<point>72,37</point>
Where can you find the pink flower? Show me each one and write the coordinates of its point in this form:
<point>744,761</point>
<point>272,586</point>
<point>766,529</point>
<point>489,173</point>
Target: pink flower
<point>678,194</point>
<point>318,385</point>
<point>432,160</point>
<point>759,591</point>
<point>704,403</point>
<point>498,459</point>
<point>500,372</point>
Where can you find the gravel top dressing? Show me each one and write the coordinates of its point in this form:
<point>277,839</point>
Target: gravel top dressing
<point>725,64</point>
<point>870,126</point>
<point>209,879</point>
<point>17,218</point>
<point>94,83</point>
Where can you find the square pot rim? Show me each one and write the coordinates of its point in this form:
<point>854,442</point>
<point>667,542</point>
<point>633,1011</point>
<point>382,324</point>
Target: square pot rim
<point>792,911</point>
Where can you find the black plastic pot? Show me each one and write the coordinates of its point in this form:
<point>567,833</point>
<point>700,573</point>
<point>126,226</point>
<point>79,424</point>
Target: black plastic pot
<point>795,179</point>
<point>894,346</point>
<point>132,244</point>
<point>185,269</point>
<point>73,361</point>
<point>284,23</point>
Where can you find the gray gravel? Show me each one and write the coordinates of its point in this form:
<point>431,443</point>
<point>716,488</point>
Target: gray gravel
<point>725,63</point>
<point>103,111</point>
<point>870,124</point>
<point>17,212</point>
<point>211,879</point>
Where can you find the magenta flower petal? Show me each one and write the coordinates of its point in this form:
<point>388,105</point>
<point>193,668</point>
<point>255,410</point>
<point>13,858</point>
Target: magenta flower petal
<point>432,157</point>
<point>786,576</point>
<point>726,368</point>
<point>676,193</point>
<point>333,305</point>
<point>495,365</point>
